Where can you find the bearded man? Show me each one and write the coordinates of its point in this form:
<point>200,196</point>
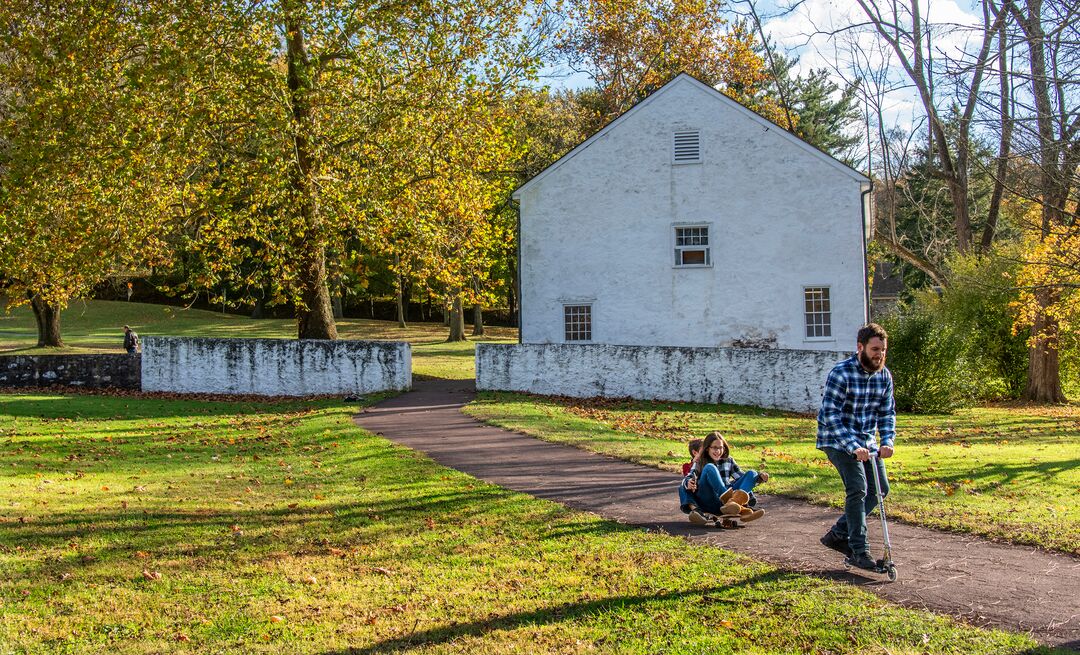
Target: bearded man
<point>858,416</point>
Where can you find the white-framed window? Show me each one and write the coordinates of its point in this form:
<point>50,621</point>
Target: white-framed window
<point>577,322</point>
<point>818,312</point>
<point>692,245</point>
<point>686,147</point>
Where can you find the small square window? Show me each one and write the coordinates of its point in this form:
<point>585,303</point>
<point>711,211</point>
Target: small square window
<point>577,319</point>
<point>692,246</point>
<point>818,312</point>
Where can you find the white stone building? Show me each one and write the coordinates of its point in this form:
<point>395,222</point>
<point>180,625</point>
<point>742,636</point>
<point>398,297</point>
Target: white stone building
<point>692,221</point>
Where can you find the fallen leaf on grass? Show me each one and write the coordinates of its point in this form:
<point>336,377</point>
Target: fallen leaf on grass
<point>277,618</point>
<point>379,569</point>
<point>142,554</point>
<point>311,580</point>
<point>151,575</point>
<point>179,636</point>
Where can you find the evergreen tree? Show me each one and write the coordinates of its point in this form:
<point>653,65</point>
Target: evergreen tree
<point>824,114</point>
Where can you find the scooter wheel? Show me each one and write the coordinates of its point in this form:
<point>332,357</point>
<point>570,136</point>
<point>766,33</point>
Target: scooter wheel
<point>891,571</point>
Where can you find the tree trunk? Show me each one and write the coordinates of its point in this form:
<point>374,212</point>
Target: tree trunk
<point>400,297</point>
<point>1044,378</point>
<point>337,308</point>
<point>314,317</point>
<point>477,321</point>
<point>1055,181</point>
<point>511,294</point>
<point>457,322</point>
<point>260,305</point>
<point>1001,166</point>
<point>48,323</point>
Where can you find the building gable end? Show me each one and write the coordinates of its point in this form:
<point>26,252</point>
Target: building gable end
<point>684,78</point>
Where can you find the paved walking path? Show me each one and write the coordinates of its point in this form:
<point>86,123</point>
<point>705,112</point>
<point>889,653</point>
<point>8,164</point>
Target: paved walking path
<point>1012,587</point>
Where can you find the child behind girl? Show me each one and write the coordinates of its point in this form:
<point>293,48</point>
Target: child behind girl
<point>716,485</point>
<point>686,498</point>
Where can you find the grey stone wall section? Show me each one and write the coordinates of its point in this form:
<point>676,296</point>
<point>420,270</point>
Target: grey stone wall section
<point>274,367</point>
<point>87,371</point>
<point>779,379</point>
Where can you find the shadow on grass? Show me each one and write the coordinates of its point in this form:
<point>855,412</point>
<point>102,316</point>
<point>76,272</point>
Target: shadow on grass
<point>557,614</point>
<point>208,532</point>
<point>38,404</point>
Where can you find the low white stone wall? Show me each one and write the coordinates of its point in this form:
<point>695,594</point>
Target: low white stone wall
<point>274,367</point>
<point>780,379</point>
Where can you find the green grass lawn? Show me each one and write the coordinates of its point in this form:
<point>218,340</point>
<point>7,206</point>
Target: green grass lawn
<point>158,526</point>
<point>96,326</point>
<point>1008,473</point>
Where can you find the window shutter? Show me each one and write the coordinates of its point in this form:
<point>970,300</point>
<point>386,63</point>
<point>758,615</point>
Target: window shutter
<point>686,147</point>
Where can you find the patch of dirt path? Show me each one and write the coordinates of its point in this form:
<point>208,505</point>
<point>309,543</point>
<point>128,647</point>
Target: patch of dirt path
<point>984,583</point>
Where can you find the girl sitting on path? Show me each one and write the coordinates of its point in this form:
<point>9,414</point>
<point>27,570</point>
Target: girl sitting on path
<point>719,486</point>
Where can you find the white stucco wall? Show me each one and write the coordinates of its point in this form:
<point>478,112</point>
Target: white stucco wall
<point>597,228</point>
<point>274,367</point>
<point>780,379</point>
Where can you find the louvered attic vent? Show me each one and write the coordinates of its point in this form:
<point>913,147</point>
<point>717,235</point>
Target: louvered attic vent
<point>686,147</point>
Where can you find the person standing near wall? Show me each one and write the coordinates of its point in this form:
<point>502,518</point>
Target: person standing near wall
<point>131,341</point>
<point>858,416</point>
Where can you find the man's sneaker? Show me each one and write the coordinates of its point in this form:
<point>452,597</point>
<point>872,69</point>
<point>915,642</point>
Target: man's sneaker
<point>862,561</point>
<point>697,517</point>
<point>830,540</point>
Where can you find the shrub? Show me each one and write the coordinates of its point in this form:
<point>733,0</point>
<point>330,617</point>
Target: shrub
<point>977,308</point>
<point>927,359</point>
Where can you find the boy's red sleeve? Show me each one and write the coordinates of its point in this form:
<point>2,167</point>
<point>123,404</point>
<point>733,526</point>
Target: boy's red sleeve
<point>686,468</point>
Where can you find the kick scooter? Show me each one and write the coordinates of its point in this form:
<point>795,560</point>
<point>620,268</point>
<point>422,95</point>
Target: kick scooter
<point>885,564</point>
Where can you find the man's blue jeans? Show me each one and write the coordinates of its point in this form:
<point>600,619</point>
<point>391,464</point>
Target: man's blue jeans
<point>710,488</point>
<point>860,500</point>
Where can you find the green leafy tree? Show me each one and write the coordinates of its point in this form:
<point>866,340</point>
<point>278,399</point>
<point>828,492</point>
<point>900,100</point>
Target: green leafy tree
<point>320,118</point>
<point>89,174</point>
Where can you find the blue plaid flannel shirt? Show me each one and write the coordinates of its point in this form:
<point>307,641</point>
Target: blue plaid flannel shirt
<point>729,472</point>
<point>856,408</point>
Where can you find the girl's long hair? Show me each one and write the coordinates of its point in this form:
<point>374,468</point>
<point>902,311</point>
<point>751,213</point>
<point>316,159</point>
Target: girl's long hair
<point>703,457</point>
